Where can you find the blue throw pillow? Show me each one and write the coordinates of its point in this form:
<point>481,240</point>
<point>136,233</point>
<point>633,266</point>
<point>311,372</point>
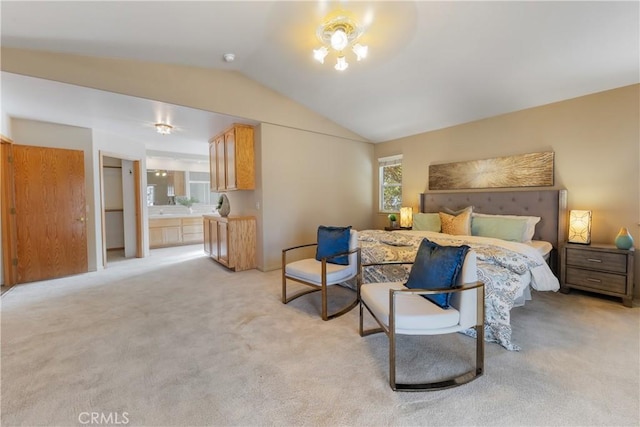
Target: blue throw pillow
<point>435,267</point>
<point>331,241</point>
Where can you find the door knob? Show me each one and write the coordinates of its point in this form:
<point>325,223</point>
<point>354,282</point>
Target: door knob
<point>81,219</point>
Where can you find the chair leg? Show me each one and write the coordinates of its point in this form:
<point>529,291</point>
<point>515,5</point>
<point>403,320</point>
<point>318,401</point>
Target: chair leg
<point>286,299</point>
<point>324,303</point>
<point>446,383</point>
<point>443,384</point>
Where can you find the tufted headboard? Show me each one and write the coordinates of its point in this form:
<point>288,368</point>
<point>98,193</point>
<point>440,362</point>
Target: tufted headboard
<point>549,205</point>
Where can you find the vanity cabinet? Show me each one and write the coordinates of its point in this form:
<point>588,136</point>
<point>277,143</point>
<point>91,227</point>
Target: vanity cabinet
<point>165,232</point>
<point>232,159</point>
<point>231,241</point>
<point>192,230</point>
<point>175,231</point>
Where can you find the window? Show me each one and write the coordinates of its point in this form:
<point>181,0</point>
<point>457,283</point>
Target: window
<point>390,183</point>
<point>199,186</point>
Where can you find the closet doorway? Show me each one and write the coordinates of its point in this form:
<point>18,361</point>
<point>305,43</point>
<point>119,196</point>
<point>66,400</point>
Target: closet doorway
<point>120,196</point>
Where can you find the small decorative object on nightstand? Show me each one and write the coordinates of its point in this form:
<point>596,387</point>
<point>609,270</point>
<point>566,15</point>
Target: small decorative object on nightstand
<point>598,268</point>
<point>393,221</point>
<point>623,239</point>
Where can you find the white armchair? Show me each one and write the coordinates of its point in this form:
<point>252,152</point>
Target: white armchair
<point>403,311</point>
<point>320,274</point>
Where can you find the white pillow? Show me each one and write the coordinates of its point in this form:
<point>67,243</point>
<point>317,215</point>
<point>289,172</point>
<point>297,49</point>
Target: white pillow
<point>529,230</point>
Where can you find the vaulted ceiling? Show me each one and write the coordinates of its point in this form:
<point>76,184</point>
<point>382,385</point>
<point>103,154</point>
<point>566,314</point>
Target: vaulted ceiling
<point>431,64</point>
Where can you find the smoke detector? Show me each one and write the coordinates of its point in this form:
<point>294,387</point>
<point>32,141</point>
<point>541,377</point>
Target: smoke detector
<point>229,57</point>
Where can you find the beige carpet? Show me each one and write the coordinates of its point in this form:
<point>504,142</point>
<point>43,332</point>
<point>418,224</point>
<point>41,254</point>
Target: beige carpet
<point>175,339</point>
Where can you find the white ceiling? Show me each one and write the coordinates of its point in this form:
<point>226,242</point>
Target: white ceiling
<point>431,64</point>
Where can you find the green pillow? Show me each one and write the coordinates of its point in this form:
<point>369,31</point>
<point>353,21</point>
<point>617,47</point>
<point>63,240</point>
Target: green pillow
<point>512,229</point>
<point>426,222</point>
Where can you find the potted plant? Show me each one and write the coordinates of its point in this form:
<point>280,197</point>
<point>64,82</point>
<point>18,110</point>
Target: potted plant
<point>187,202</point>
<point>393,220</point>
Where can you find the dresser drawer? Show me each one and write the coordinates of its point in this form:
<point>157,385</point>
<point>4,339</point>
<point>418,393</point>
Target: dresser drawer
<point>604,261</point>
<point>597,280</point>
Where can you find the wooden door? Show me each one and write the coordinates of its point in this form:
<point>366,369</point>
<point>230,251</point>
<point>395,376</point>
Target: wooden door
<point>221,168</point>
<point>206,228</point>
<point>179,185</point>
<point>230,152</point>
<point>215,247</point>
<point>223,243</point>
<point>9,239</point>
<point>213,166</point>
<point>50,212</point>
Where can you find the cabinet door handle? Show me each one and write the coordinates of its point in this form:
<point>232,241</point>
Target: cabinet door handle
<point>594,280</point>
<point>594,260</point>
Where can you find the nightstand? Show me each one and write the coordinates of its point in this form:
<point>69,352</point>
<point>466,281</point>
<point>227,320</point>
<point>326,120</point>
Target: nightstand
<point>599,268</point>
<point>396,228</point>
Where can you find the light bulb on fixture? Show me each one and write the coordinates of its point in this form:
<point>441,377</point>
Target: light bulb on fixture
<point>319,54</point>
<point>339,40</point>
<point>342,64</point>
<point>360,51</point>
<point>163,128</point>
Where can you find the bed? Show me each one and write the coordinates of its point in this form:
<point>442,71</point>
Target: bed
<point>509,269</point>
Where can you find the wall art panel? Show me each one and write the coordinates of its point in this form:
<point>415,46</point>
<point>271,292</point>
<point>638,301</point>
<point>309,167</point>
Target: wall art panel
<point>525,170</point>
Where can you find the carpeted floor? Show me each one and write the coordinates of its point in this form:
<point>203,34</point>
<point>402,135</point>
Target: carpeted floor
<point>176,340</point>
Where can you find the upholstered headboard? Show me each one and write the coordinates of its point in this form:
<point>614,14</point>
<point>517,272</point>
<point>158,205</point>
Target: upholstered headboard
<point>549,205</point>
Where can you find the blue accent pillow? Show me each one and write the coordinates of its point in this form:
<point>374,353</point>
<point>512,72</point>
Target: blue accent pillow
<point>436,267</point>
<point>331,241</point>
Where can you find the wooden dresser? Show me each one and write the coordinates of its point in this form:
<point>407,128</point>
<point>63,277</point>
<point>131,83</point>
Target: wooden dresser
<point>231,240</point>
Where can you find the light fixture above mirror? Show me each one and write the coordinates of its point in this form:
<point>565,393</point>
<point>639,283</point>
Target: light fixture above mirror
<point>163,128</point>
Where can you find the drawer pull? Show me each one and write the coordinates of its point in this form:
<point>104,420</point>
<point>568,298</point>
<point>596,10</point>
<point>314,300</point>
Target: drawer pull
<point>594,260</point>
<point>594,280</point>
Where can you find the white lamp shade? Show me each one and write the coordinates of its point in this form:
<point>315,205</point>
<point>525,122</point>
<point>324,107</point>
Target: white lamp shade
<point>320,53</point>
<point>341,64</point>
<point>406,217</point>
<point>580,227</point>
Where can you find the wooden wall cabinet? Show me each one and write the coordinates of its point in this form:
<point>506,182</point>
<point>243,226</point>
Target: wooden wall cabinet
<point>232,159</point>
<point>165,232</point>
<point>231,241</point>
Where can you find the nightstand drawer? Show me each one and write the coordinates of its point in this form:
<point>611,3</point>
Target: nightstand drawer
<point>596,280</point>
<point>596,260</point>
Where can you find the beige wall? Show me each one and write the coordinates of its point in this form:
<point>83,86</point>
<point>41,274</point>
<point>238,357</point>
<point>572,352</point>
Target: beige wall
<point>596,140</point>
<point>218,91</point>
<point>310,179</point>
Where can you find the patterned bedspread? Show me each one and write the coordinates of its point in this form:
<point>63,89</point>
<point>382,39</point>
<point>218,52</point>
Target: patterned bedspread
<point>506,268</point>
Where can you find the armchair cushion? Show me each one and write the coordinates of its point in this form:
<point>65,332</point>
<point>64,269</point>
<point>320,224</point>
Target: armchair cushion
<point>436,267</point>
<point>332,241</point>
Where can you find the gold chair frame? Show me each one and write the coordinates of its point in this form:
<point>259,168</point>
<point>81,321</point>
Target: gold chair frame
<point>455,381</point>
<point>323,285</point>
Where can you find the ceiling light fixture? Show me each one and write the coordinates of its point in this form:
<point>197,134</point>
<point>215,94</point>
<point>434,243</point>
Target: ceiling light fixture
<point>163,128</point>
<point>338,33</point>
